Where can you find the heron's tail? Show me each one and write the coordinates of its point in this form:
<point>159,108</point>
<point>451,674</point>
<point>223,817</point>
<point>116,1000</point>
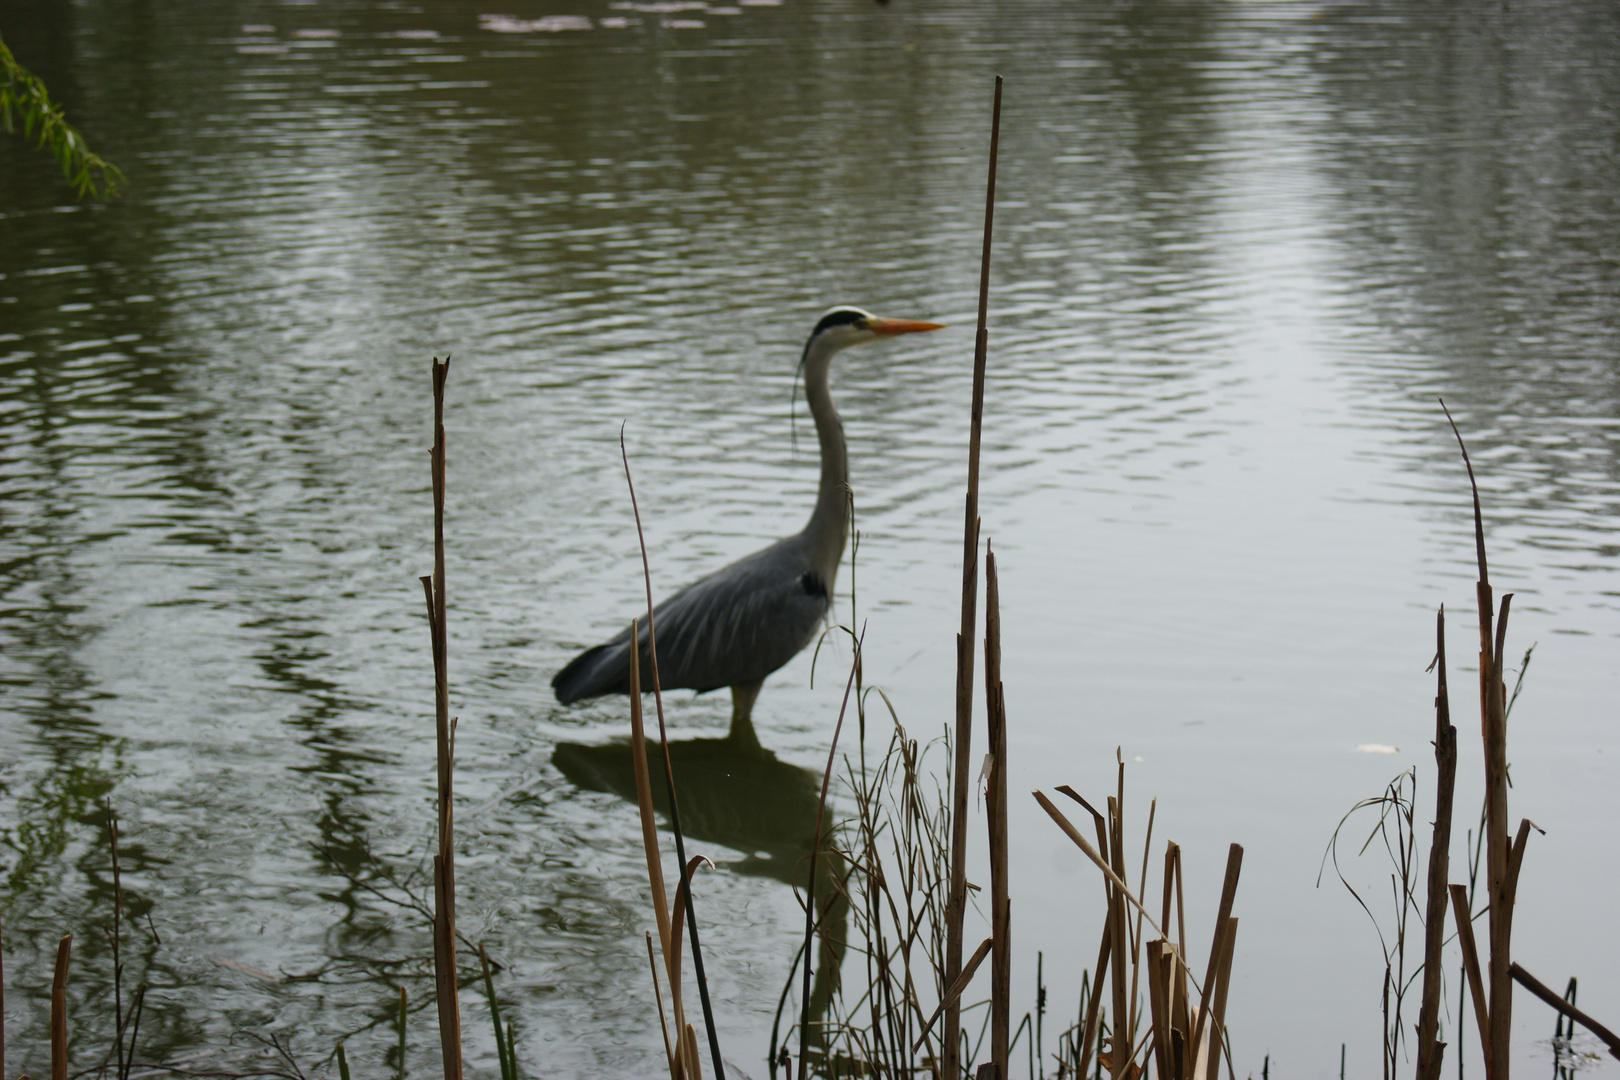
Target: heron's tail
<point>604,669</point>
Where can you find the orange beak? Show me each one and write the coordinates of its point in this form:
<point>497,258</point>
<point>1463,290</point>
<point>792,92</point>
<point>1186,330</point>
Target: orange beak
<point>890,327</point>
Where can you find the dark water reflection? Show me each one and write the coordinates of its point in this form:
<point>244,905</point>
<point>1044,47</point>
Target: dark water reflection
<point>1240,250</point>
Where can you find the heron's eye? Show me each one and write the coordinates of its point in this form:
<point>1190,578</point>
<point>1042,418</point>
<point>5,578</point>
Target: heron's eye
<point>859,324</point>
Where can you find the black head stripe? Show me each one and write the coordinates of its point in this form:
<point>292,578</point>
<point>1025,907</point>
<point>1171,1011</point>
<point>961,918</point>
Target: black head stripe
<point>839,317</point>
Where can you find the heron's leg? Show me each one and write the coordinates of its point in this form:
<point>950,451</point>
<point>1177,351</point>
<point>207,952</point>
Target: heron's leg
<point>742,715</point>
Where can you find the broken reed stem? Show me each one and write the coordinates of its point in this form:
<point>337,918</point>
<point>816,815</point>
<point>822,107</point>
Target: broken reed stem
<point>59,1054</point>
<point>444,865</point>
<point>996,807</point>
<point>955,991</point>
<point>956,903</point>
<point>1223,980</point>
<point>1536,987</point>
<point>669,773</point>
<point>1091,853</point>
<point>1476,983</point>
<point>1234,865</point>
<point>1431,1051</point>
<point>815,858</point>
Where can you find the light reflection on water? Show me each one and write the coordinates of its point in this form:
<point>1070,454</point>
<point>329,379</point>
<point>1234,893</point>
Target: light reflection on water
<point>1238,255</point>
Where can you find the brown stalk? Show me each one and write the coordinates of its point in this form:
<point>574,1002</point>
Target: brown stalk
<point>444,866</point>
<point>1536,987</point>
<point>1159,965</point>
<point>815,858</point>
<point>1493,731</point>
<point>649,843</point>
<point>693,1067</point>
<point>1516,858</point>
<point>1091,853</point>
<point>59,1052</point>
<point>1089,1037</point>
<point>955,992</point>
<point>1234,864</point>
<point>1223,981</point>
<point>1122,1034</point>
<point>956,903</point>
<point>1181,912</point>
<point>2,1005</point>
<point>1169,876</point>
<point>1431,1051</point>
<point>1476,983</point>
<point>996,807</point>
<point>1136,932</point>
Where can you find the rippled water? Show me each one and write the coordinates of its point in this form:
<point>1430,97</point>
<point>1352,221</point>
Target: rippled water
<point>1240,250</point>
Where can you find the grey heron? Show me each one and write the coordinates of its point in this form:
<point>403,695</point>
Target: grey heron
<point>742,622</point>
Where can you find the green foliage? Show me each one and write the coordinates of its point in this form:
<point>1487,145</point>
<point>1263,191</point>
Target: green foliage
<point>25,104</point>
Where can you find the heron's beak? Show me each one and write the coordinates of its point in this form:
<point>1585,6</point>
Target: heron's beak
<point>890,327</point>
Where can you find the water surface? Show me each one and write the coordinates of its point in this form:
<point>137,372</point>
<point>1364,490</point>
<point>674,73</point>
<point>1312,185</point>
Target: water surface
<point>1239,252</point>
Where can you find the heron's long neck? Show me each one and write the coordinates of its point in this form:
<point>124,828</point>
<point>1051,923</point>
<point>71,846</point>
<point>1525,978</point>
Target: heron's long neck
<point>829,522</point>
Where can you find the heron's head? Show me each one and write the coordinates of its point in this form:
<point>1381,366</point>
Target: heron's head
<point>841,327</point>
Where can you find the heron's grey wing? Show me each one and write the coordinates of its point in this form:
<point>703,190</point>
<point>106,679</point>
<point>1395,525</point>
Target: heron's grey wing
<point>737,625</point>
<point>742,623</point>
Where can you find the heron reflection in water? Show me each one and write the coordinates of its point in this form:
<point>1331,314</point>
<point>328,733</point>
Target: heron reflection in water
<point>742,622</point>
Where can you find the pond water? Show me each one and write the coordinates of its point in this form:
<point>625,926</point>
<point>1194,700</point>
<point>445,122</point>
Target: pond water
<point>1240,249</point>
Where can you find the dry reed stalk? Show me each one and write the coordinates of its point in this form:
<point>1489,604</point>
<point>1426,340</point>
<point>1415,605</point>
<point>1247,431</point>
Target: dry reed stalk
<point>1108,872</point>
<point>655,869</point>
<point>956,907</point>
<point>1223,979</point>
<point>59,1052</point>
<point>1493,731</point>
<point>1121,1041</point>
<point>996,814</point>
<point>1536,987</point>
<point>1136,931</point>
<point>1234,865</point>
<point>2,1003</point>
<point>658,995</point>
<point>669,775</point>
<point>1094,1001</point>
<point>815,856</point>
<point>1476,982</point>
<point>956,988</point>
<point>444,865</point>
<point>1431,1051</point>
<point>1159,965</point>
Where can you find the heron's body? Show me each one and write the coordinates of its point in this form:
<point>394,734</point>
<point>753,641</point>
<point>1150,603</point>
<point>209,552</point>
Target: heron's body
<point>742,622</point>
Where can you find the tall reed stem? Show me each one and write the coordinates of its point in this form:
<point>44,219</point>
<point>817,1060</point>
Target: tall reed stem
<point>1499,854</point>
<point>956,904</point>
<point>444,865</point>
<point>1431,1051</point>
<point>996,807</point>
